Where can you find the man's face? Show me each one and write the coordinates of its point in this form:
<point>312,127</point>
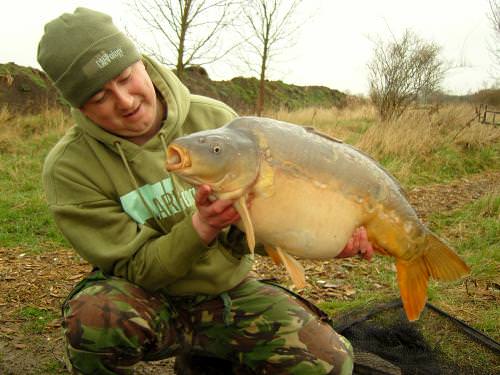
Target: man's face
<point>127,105</point>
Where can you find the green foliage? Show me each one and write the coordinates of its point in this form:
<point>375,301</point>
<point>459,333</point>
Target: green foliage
<point>476,230</point>
<point>35,319</point>
<point>25,221</point>
<point>359,301</point>
<point>447,164</point>
<point>53,366</point>
<point>382,286</point>
<point>24,218</point>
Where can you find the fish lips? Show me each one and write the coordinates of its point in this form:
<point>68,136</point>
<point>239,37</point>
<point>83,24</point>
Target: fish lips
<point>177,158</point>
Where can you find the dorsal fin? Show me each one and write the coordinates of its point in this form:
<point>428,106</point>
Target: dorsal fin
<point>310,129</point>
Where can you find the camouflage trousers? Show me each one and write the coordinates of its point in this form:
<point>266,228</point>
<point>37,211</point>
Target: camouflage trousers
<point>111,324</point>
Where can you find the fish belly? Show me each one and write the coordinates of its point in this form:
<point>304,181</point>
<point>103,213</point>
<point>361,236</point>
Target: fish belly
<point>305,218</point>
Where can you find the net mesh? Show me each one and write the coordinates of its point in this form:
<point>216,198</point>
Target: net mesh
<point>435,344</point>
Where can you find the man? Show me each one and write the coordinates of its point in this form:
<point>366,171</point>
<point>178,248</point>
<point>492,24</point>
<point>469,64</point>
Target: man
<point>171,274</point>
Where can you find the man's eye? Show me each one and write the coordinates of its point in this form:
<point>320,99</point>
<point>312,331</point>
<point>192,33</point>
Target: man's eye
<point>125,79</point>
<point>96,99</point>
<point>99,99</point>
<point>125,75</point>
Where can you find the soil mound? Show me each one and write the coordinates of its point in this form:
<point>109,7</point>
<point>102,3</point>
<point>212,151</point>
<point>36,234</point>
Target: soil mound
<point>26,90</point>
<point>29,90</point>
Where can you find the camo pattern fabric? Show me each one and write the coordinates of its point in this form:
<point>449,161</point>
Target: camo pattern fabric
<point>111,324</point>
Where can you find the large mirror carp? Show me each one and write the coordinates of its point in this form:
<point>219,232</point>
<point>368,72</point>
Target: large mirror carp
<point>309,193</point>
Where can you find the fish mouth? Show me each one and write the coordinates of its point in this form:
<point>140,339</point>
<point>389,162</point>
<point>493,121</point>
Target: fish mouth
<point>177,158</point>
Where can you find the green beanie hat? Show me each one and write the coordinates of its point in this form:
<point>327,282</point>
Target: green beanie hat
<point>82,51</point>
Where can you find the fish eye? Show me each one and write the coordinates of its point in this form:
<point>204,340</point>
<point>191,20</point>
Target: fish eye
<point>215,148</point>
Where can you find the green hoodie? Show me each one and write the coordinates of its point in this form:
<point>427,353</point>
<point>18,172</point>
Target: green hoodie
<point>120,209</point>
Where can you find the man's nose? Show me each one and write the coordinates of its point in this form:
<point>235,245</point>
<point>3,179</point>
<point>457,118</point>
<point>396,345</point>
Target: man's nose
<point>124,100</point>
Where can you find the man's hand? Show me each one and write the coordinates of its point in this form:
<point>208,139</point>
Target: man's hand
<point>212,217</point>
<point>358,244</point>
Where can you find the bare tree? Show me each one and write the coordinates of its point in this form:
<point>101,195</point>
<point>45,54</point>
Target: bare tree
<point>184,32</point>
<point>269,28</point>
<point>494,16</point>
<point>401,71</point>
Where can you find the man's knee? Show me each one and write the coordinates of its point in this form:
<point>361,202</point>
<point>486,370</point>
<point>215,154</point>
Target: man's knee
<point>105,314</point>
<point>109,325</point>
<point>326,345</point>
<point>308,345</point>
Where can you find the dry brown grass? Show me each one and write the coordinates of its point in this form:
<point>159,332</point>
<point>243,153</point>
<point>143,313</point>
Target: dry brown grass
<point>324,117</point>
<point>339,122</point>
<point>429,144</point>
<point>420,133</point>
<point>15,128</point>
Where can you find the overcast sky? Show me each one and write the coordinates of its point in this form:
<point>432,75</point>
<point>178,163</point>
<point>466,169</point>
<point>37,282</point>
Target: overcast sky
<point>333,49</point>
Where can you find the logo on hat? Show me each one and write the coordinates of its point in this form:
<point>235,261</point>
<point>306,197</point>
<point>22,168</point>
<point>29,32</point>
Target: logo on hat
<point>104,58</point>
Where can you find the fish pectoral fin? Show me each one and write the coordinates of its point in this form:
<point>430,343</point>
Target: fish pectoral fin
<point>273,254</point>
<point>413,277</point>
<point>241,206</point>
<point>293,267</point>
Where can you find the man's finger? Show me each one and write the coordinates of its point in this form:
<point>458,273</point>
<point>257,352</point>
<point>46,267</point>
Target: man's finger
<point>202,194</point>
<point>227,217</point>
<point>219,206</point>
<point>362,234</point>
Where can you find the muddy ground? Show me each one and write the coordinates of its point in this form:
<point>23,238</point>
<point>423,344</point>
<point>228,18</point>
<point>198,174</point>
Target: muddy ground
<point>43,281</point>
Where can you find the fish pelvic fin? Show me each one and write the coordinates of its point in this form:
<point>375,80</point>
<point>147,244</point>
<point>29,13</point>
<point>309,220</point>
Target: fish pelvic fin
<point>273,254</point>
<point>413,277</point>
<point>241,206</point>
<point>293,267</point>
<point>442,262</point>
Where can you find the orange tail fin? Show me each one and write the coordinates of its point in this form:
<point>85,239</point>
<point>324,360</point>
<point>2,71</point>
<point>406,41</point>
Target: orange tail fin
<point>413,278</point>
<point>442,262</point>
<point>438,261</point>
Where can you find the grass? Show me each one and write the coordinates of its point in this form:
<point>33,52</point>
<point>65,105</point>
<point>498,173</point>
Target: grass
<point>474,230</point>
<point>24,142</point>
<point>35,319</point>
<point>52,366</point>
<point>374,283</point>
